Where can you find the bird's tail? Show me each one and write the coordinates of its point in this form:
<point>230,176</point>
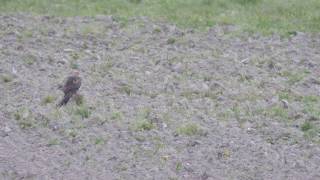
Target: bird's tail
<point>65,99</point>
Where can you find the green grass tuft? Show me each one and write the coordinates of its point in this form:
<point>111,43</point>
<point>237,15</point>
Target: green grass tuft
<point>143,125</point>
<point>79,99</point>
<point>99,140</point>
<point>53,142</point>
<point>48,99</point>
<point>264,16</point>
<point>25,118</point>
<point>83,111</point>
<point>189,129</point>
<point>171,40</point>
<point>306,126</point>
<point>6,78</point>
<point>116,116</point>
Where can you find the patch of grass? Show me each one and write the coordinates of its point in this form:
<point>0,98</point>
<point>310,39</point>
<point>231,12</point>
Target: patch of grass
<point>226,153</point>
<point>158,144</point>
<point>135,1</point>
<point>284,95</point>
<point>293,78</point>
<point>312,106</point>
<point>143,125</point>
<point>82,111</point>
<point>53,142</point>
<point>116,116</point>
<point>143,122</point>
<point>306,126</point>
<point>71,133</point>
<point>264,16</point>
<point>311,131</point>
<point>75,56</point>
<point>48,99</point>
<point>27,34</point>
<point>189,129</point>
<point>225,115</point>
<point>98,141</point>
<point>156,30</point>
<point>171,40</point>
<point>313,135</point>
<point>30,59</point>
<point>311,99</point>
<point>289,96</point>
<point>105,67</point>
<point>278,112</point>
<point>79,99</point>
<point>92,28</point>
<point>126,89</point>
<point>24,118</point>
<point>178,166</point>
<point>6,78</point>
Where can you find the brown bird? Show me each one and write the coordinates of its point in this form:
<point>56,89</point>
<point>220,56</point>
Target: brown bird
<point>71,86</point>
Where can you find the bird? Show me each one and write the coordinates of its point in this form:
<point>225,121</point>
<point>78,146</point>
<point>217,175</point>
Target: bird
<point>70,88</point>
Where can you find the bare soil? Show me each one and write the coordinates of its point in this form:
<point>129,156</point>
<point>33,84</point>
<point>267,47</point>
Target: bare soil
<point>159,102</point>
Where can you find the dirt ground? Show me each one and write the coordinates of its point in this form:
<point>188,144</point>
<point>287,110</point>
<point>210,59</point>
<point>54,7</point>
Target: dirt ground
<point>159,102</point>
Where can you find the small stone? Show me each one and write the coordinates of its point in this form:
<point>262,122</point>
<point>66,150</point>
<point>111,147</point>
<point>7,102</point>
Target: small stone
<point>7,129</point>
<point>285,104</point>
<point>63,61</point>
<point>205,87</point>
<point>178,68</point>
<point>68,50</point>
<point>3,134</point>
<point>164,125</point>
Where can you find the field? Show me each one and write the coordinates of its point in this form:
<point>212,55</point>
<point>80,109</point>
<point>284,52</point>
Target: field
<point>263,16</point>
<point>161,97</point>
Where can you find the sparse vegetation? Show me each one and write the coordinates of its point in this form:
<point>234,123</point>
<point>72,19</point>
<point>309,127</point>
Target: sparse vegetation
<point>142,122</point>
<point>293,77</point>
<point>82,111</point>
<point>126,89</point>
<point>306,126</point>
<point>105,67</point>
<point>143,125</point>
<point>30,59</point>
<point>171,40</point>
<point>279,112</point>
<point>53,142</point>
<point>6,78</point>
<point>189,129</point>
<point>312,106</point>
<point>72,133</point>
<point>75,56</point>
<point>178,166</point>
<point>99,140</point>
<point>92,29</point>
<point>79,99</point>
<point>48,99</point>
<point>116,116</point>
<point>25,118</point>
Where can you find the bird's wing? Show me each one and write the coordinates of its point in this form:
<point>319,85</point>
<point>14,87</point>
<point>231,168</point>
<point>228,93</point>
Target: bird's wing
<point>72,84</point>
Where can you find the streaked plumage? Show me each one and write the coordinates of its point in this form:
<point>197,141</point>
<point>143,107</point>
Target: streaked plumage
<point>71,86</point>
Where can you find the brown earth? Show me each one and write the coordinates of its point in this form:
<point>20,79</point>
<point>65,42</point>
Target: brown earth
<point>159,102</point>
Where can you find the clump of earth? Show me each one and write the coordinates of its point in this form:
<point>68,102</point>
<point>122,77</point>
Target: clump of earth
<point>157,101</point>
